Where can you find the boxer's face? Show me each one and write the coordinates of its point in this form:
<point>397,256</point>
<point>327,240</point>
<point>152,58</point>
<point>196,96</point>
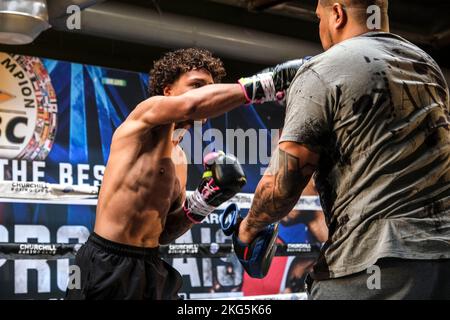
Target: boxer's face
<point>190,80</point>
<point>187,81</point>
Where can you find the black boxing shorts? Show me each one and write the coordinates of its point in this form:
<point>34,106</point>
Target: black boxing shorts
<point>114,271</point>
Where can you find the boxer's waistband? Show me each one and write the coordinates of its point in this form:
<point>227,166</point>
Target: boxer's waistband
<point>122,249</point>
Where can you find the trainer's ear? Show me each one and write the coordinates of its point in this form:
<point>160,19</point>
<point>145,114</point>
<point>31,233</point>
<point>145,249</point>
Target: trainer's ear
<point>167,90</point>
<point>338,15</point>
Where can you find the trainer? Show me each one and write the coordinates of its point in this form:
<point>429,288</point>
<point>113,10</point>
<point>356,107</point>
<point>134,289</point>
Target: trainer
<point>369,118</point>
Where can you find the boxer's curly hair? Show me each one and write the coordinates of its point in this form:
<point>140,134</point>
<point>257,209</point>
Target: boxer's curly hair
<point>173,64</point>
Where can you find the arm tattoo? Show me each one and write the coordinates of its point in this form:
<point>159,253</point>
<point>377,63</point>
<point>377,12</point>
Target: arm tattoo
<point>277,194</point>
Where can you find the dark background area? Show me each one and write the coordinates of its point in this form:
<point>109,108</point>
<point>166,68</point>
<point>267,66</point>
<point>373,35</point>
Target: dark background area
<point>426,23</point>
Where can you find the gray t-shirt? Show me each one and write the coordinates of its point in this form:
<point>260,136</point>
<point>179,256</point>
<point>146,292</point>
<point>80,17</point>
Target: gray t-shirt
<point>376,109</point>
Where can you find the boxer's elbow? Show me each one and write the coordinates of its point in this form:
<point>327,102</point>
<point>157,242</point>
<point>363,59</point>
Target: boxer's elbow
<point>169,235</point>
<point>167,238</point>
<point>164,239</point>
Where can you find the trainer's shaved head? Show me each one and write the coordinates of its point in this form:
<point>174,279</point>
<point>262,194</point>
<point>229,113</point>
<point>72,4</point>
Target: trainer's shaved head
<point>357,3</point>
<point>343,19</point>
<point>360,6</point>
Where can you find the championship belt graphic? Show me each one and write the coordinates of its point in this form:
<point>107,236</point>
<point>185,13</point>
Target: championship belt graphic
<point>28,108</point>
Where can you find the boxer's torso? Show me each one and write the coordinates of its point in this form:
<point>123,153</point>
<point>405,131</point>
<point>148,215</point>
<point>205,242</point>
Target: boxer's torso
<point>140,186</point>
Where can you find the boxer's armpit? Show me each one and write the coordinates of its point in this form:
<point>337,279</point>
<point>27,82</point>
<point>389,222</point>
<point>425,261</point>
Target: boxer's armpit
<point>278,192</point>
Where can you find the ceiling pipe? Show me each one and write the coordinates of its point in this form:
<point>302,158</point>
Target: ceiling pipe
<point>260,5</point>
<point>135,24</point>
<point>437,38</point>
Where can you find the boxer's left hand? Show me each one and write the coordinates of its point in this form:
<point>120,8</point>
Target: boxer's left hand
<point>272,83</point>
<point>222,179</point>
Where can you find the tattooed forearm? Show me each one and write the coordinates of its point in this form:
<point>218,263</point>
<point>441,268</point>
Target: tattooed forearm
<point>176,225</point>
<point>277,194</point>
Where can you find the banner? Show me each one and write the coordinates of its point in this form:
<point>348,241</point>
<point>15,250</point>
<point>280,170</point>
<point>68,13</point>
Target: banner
<point>57,120</point>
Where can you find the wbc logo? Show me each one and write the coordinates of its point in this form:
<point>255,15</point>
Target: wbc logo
<point>28,108</point>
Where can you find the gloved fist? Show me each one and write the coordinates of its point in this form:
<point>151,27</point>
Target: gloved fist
<point>272,83</point>
<point>255,257</point>
<point>222,179</point>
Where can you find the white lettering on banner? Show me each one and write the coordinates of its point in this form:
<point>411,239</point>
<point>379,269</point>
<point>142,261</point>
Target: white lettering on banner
<point>187,266</point>
<point>22,172</point>
<point>3,163</point>
<point>227,277</point>
<point>37,173</point>
<point>22,234</point>
<point>63,235</point>
<point>3,238</point>
<point>213,218</point>
<point>19,170</point>
<point>82,175</point>
<point>207,272</point>
<point>65,173</point>
<point>298,247</point>
<point>200,273</point>
<point>183,248</point>
<point>205,234</point>
<point>229,274</point>
<point>98,174</point>
<point>21,268</point>
<point>37,249</point>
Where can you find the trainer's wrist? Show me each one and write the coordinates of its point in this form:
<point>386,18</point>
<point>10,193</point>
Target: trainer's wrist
<point>246,234</point>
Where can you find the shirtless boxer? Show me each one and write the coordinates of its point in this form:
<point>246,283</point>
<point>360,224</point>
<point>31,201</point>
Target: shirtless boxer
<point>142,201</point>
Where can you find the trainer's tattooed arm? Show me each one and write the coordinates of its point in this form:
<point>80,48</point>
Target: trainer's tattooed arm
<point>280,188</point>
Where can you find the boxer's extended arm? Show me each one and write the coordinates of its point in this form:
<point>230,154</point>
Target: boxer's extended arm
<point>205,102</point>
<point>279,190</point>
<point>213,100</point>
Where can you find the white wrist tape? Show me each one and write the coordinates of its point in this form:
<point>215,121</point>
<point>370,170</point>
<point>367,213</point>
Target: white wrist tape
<point>268,86</point>
<point>197,205</point>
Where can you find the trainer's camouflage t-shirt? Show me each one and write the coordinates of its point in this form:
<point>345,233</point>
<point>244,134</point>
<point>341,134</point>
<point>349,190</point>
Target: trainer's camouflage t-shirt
<point>376,109</point>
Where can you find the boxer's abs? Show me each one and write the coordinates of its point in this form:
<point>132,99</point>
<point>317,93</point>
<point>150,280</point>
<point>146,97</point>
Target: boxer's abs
<point>136,212</point>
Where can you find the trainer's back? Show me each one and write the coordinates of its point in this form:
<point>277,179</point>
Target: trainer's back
<point>383,127</point>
